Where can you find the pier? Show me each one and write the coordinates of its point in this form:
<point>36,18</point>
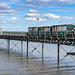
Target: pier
<point>23,36</point>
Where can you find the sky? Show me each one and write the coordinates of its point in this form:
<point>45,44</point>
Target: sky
<point>18,15</point>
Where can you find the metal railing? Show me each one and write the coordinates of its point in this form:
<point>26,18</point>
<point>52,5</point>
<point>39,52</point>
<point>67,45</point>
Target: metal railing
<point>14,33</point>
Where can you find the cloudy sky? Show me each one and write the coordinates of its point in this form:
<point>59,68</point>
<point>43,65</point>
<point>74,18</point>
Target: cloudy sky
<point>18,15</point>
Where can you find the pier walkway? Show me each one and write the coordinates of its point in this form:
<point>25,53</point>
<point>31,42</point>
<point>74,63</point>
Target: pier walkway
<point>22,36</point>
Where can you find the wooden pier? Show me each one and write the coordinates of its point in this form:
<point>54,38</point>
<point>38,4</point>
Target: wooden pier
<point>25,37</point>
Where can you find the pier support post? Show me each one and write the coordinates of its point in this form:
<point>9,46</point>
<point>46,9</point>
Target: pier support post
<point>58,53</point>
<point>42,49</point>
<point>27,48</point>
<point>21,46</point>
<point>8,45</point>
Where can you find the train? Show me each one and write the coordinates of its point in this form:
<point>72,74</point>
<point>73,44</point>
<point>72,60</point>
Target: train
<point>54,31</point>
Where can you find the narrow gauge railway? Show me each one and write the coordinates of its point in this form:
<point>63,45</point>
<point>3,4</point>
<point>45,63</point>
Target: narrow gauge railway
<point>65,34</point>
<point>58,32</point>
<point>66,31</point>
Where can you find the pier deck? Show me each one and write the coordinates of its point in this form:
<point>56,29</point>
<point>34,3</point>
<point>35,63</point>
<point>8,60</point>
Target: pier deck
<point>25,37</point>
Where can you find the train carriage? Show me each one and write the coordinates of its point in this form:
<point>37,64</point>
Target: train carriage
<point>63,31</point>
<point>44,32</point>
<point>49,32</point>
<point>32,31</point>
<point>41,32</point>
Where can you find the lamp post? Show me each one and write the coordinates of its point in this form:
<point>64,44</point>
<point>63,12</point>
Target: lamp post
<point>37,28</point>
<point>37,21</point>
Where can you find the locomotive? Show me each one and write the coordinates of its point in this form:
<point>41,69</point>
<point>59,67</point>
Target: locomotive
<point>54,31</point>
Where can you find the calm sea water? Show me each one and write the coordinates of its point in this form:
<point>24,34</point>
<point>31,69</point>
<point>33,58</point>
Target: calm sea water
<point>15,63</point>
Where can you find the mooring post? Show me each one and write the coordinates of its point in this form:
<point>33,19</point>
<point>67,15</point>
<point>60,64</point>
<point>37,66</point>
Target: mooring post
<point>21,46</point>
<point>58,52</point>
<point>8,45</point>
<point>27,48</point>
<point>42,49</point>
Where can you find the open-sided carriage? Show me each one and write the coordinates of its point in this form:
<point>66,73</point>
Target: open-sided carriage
<point>55,31</point>
<point>40,32</point>
<point>63,31</point>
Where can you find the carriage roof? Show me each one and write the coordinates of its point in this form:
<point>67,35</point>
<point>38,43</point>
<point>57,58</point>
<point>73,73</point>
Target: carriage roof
<point>63,25</point>
<point>40,27</point>
<point>53,26</point>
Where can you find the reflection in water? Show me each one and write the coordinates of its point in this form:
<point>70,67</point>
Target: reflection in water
<point>14,63</point>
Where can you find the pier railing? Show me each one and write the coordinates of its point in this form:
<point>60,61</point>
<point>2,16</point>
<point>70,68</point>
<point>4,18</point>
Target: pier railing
<point>24,36</point>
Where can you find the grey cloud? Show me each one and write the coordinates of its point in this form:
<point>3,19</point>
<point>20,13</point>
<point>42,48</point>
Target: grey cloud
<point>66,1</point>
<point>11,1</point>
<point>7,11</point>
<point>39,0</point>
<point>21,8</point>
<point>67,17</point>
<point>27,5</point>
<point>52,2</point>
<point>4,8</point>
<point>33,13</point>
<point>60,21</point>
<point>2,14</point>
<point>51,16</point>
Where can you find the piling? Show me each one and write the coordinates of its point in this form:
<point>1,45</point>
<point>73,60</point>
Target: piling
<point>27,48</point>
<point>21,46</point>
<point>8,45</point>
<point>42,49</point>
<point>58,53</point>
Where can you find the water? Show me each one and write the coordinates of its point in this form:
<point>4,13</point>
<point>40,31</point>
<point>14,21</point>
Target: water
<point>15,63</point>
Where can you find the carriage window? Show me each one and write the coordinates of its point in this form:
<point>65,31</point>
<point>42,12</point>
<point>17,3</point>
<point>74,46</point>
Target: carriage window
<point>65,28</point>
<point>69,28</point>
<point>57,28</point>
<point>30,29</point>
<point>62,28</point>
<point>48,29</point>
<point>45,29</point>
<point>41,29</point>
<point>53,29</point>
<point>36,29</point>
